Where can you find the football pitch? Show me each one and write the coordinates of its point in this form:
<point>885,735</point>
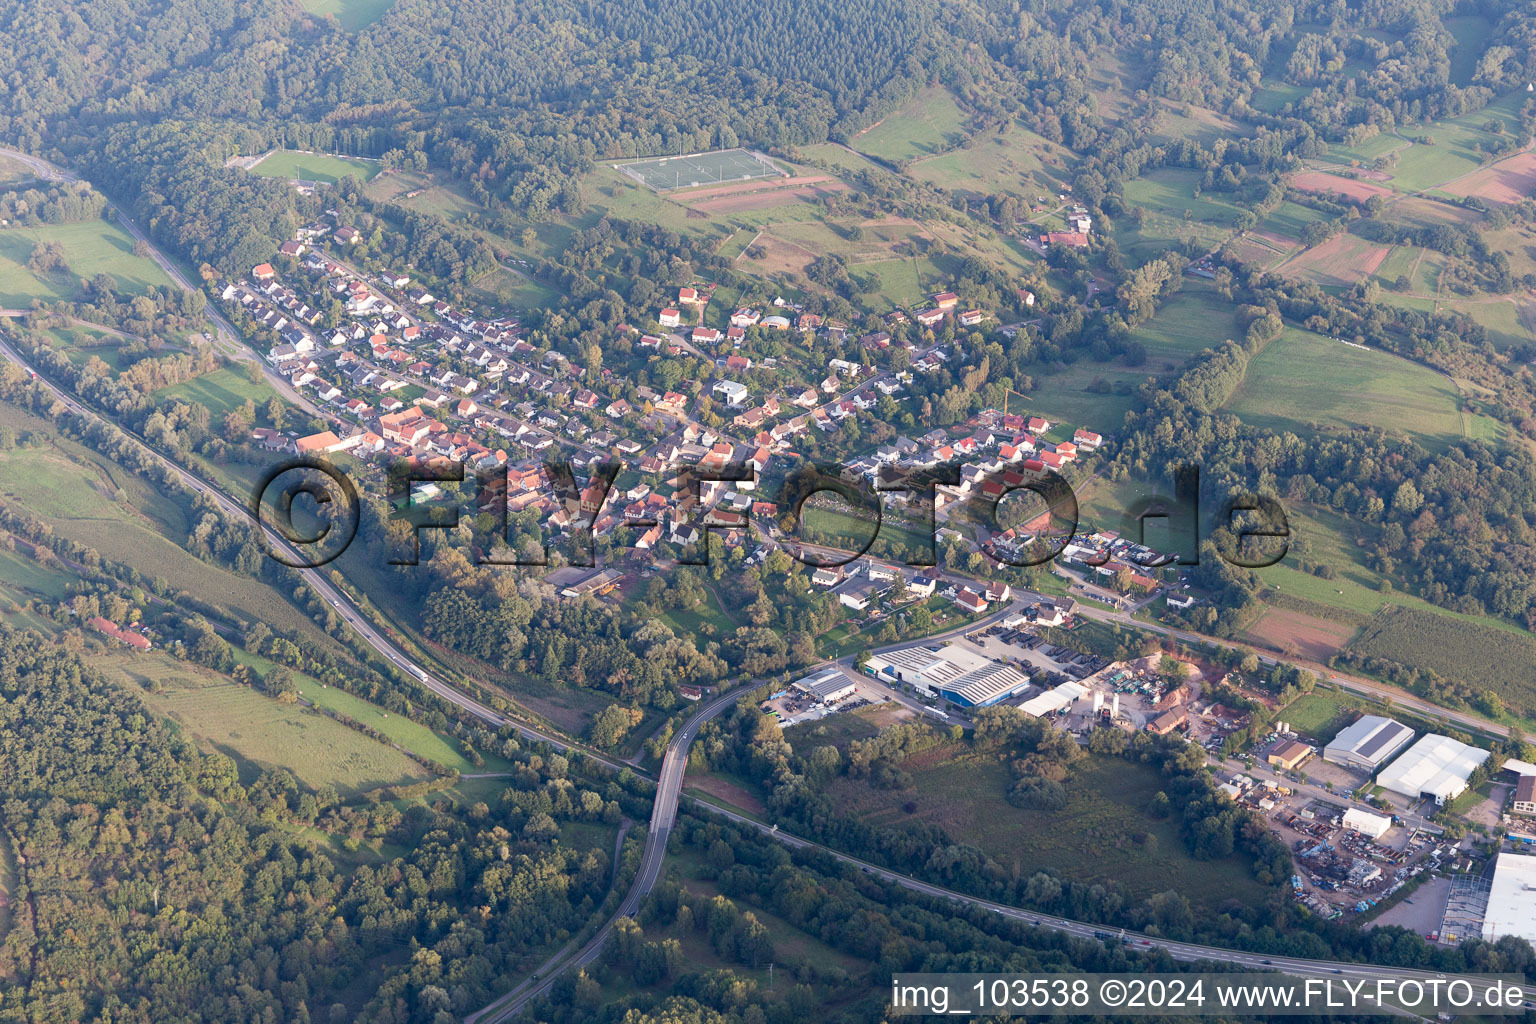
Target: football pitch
<point>669,172</point>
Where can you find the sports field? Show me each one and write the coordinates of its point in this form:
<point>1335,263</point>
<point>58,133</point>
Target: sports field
<point>668,172</point>
<point>322,167</point>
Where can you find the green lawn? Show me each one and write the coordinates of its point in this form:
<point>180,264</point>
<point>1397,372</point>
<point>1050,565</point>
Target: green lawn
<point>1400,262</point>
<point>1369,150</point>
<point>929,123</point>
<point>288,163</point>
<point>1499,316</point>
<point>690,622</point>
<point>1194,319</point>
<point>222,390</point>
<point>258,731</point>
<point>512,290</point>
<point>413,736</point>
<point>1288,219</point>
<point>1472,32</point>
<point>1275,95</point>
<point>14,170</point>
<point>1087,394</point>
<point>352,14</point>
<point>1014,160</point>
<point>94,502</point>
<point>1320,714</point>
<point>839,529</point>
<point>1302,379</point>
<point>20,573</point>
<point>90,247</point>
<point>1170,191</point>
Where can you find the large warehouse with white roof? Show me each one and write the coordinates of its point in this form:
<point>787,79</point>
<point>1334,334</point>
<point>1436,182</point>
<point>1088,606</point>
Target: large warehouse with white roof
<point>957,674</point>
<point>1512,900</point>
<point>1369,743</point>
<point>1436,766</point>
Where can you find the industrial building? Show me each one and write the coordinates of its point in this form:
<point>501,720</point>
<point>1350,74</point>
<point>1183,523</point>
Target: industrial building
<point>1512,900</point>
<point>1437,767</point>
<point>1053,700</point>
<point>1366,823</point>
<point>1368,744</point>
<point>957,674</point>
<point>827,686</point>
<point>1289,755</point>
<point>1525,795</point>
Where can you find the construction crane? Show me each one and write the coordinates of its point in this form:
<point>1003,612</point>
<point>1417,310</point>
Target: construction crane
<point>1010,391</point>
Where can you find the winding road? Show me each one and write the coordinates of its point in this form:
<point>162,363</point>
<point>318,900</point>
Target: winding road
<point>674,762</point>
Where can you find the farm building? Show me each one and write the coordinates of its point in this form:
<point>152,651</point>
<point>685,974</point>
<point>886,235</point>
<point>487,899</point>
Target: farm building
<point>1436,766</point>
<point>1368,743</point>
<point>1289,754</point>
<point>1366,823</point>
<point>957,674</point>
<point>1512,900</point>
<point>828,686</point>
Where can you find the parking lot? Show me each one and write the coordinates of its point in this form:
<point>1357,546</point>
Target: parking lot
<point>1034,655</point>
<point>792,707</point>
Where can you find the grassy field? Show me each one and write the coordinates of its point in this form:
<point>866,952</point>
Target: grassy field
<point>1320,714</point>
<point>1472,32</point>
<point>1013,161</point>
<point>1367,151</point>
<point>929,123</point>
<point>90,247</point>
<point>1275,95</point>
<point>1499,316</point>
<point>352,14</point>
<point>1288,219</point>
<point>1303,378</point>
<point>691,621</point>
<point>94,502</point>
<point>257,731</point>
<point>839,529</point>
<point>221,391</point>
<point>508,289</point>
<point>289,163</point>
<point>81,343</point>
<point>1172,212</point>
<point>413,736</point>
<point>1073,395</point>
<point>1194,319</point>
<point>965,794</point>
<point>1170,191</point>
<point>1400,263</point>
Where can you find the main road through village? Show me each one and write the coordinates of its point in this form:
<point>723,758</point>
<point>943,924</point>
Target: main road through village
<point>670,778</point>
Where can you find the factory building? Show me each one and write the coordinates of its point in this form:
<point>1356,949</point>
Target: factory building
<point>1366,823</point>
<point>1289,755</point>
<point>957,674</point>
<point>827,686</point>
<point>1368,744</point>
<point>1512,900</point>
<point>1437,767</point>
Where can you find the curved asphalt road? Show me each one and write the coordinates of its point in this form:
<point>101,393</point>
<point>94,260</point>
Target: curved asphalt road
<point>669,784</point>
<point>228,340</point>
<point>668,793</point>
